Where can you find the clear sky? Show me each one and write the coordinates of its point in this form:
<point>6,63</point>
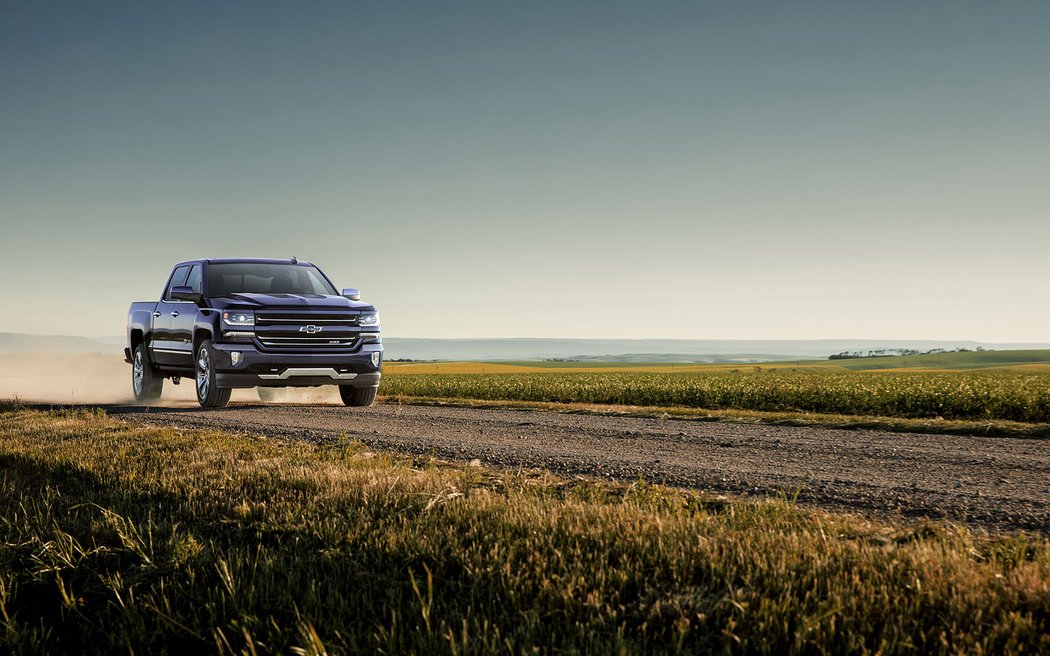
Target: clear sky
<point>737,170</point>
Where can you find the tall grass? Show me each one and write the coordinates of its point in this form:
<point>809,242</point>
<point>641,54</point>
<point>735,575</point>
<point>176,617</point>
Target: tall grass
<point>950,395</point>
<point>118,538</point>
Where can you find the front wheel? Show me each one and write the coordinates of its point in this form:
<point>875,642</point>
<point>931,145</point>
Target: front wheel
<point>209,394</point>
<point>357,397</point>
<point>145,382</point>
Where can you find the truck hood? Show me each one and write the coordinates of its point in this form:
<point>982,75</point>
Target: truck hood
<point>289,301</point>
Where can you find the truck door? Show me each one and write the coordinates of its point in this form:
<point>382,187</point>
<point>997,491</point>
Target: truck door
<point>162,344</point>
<point>183,315</point>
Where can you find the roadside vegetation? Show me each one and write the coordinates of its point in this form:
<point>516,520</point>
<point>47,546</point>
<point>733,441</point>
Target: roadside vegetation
<point>993,393</point>
<point>974,396</point>
<point>120,537</point>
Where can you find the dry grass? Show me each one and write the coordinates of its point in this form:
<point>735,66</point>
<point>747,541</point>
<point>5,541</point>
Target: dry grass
<point>117,538</point>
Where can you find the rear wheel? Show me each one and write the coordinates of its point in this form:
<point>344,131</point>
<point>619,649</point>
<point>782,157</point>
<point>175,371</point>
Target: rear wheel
<point>145,382</point>
<point>357,397</point>
<point>209,394</point>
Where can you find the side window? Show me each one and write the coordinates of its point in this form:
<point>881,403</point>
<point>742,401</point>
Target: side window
<point>177,280</point>
<point>193,281</point>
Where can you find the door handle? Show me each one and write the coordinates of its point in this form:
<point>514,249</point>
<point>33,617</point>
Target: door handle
<point>156,314</point>
<point>175,313</point>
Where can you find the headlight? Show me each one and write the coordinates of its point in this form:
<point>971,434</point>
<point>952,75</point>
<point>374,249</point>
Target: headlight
<point>368,320</point>
<point>238,319</point>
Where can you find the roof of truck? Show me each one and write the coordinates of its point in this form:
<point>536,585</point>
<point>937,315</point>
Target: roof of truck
<point>243,260</point>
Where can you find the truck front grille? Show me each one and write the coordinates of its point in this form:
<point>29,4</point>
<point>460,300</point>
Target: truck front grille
<point>328,343</point>
<point>303,330</point>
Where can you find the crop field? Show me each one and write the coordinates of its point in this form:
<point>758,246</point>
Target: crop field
<point>123,538</point>
<point>1008,396</point>
<point>1011,360</point>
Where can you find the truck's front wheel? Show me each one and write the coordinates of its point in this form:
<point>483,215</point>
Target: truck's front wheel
<point>145,382</point>
<point>357,397</point>
<point>209,394</point>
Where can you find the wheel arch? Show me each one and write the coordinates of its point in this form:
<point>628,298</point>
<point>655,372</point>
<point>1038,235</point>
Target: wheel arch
<point>201,333</point>
<point>137,337</point>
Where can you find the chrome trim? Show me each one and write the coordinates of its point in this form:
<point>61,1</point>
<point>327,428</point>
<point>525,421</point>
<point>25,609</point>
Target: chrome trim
<point>327,338</point>
<point>309,371</point>
<point>348,321</point>
<point>170,350</point>
<point>368,335</point>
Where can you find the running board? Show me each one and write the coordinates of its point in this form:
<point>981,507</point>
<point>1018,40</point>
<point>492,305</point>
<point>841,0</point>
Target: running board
<point>307,371</point>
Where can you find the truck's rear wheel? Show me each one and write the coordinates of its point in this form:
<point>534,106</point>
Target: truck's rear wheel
<point>357,397</point>
<point>209,394</point>
<point>145,383</point>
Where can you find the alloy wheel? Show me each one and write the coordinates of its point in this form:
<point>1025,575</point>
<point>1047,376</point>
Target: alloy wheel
<point>203,372</point>
<point>137,373</point>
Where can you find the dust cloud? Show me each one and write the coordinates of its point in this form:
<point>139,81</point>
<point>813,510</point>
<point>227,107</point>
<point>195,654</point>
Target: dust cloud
<point>106,379</point>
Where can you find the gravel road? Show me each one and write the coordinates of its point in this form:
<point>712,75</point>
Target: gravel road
<point>999,483</point>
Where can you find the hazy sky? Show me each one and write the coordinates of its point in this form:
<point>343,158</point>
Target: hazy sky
<point>736,170</point>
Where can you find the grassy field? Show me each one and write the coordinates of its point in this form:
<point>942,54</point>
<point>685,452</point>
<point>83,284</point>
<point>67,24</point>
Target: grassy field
<point>1004,393</point>
<point>125,538</point>
<point>1020,360</point>
<point>991,392</point>
<point>978,396</point>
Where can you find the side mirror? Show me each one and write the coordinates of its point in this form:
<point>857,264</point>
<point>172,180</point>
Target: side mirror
<point>352,294</point>
<point>184,293</point>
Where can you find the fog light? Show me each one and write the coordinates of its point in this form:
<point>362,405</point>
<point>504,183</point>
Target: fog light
<point>375,358</point>
<point>235,357</point>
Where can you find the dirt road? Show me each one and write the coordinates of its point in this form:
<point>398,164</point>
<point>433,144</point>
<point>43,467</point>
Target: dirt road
<point>995,482</point>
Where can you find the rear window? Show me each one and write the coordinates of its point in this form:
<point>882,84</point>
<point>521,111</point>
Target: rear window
<point>251,278</point>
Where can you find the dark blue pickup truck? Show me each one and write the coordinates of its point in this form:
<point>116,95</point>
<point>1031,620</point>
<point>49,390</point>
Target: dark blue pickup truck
<point>229,323</point>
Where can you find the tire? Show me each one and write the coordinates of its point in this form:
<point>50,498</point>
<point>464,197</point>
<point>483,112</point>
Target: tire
<point>209,394</point>
<point>271,394</point>
<point>357,397</point>
<point>146,383</point>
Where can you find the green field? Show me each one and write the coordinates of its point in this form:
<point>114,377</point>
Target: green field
<point>122,538</point>
<point>977,396</point>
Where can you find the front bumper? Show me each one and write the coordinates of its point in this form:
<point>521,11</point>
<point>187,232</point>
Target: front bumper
<point>257,368</point>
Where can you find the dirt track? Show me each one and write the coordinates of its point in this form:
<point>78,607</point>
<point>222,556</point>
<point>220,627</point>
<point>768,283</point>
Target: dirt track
<point>994,482</point>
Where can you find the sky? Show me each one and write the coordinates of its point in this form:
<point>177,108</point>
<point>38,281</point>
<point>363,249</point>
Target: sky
<point>735,170</point>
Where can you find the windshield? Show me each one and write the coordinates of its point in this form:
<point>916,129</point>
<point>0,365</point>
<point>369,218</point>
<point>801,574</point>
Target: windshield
<point>252,278</point>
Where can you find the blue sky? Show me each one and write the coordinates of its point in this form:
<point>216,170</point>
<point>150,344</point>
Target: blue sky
<point>679,170</point>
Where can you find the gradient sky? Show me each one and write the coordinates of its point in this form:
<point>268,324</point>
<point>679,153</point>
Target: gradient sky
<point>736,170</point>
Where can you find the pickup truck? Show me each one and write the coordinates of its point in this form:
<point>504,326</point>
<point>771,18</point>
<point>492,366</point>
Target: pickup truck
<point>239,323</point>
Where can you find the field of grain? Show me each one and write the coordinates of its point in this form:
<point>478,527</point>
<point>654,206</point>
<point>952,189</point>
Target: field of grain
<point>1005,396</point>
<point>124,538</point>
